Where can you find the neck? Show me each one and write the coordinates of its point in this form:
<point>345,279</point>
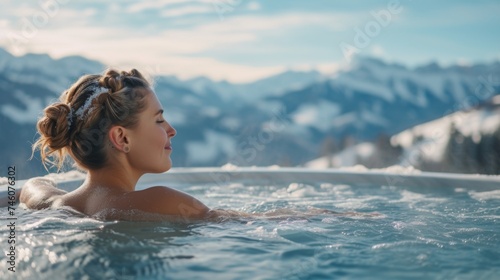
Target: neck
<point>113,177</point>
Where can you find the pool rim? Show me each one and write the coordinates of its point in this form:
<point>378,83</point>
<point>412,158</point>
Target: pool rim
<point>225,176</point>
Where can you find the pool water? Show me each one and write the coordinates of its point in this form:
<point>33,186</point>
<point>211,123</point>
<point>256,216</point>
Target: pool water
<point>440,233</point>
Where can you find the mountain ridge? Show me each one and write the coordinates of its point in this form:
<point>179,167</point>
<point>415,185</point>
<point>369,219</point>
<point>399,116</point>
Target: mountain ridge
<point>283,119</point>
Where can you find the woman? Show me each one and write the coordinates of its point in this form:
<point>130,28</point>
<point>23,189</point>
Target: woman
<point>112,125</point>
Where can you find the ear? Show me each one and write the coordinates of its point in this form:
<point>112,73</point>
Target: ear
<point>118,137</point>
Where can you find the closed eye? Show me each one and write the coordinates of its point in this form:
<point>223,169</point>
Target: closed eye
<point>160,112</point>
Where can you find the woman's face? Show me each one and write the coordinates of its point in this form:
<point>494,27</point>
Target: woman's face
<point>150,141</point>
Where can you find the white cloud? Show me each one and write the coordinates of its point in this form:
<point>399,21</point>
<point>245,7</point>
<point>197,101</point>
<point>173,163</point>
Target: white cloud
<point>186,10</point>
<point>253,6</point>
<point>285,21</point>
<point>378,51</point>
<point>89,12</point>
<point>325,68</point>
<point>158,4</point>
<point>456,15</point>
<point>114,7</point>
<point>167,54</point>
<point>462,61</point>
<point>22,9</point>
<point>173,51</point>
<point>187,67</point>
<point>4,23</point>
<point>183,45</point>
<point>148,5</point>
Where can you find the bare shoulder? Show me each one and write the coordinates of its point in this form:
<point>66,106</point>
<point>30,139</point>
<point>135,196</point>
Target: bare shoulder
<point>163,200</point>
<point>39,193</point>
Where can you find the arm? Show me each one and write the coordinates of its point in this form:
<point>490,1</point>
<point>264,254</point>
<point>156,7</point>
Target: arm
<point>39,193</point>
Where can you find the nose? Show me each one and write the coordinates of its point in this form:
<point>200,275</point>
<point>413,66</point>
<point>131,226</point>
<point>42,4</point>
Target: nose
<point>171,132</point>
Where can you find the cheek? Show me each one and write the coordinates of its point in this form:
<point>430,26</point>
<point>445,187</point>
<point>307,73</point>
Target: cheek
<point>151,140</point>
<point>157,138</point>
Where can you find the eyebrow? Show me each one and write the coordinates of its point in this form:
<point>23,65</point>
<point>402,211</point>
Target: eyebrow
<point>159,112</point>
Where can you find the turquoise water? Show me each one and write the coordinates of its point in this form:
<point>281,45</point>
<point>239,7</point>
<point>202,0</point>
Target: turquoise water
<point>420,233</point>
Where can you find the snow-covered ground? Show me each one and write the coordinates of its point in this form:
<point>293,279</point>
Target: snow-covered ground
<point>425,142</point>
<point>346,158</point>
<point>428,141</point>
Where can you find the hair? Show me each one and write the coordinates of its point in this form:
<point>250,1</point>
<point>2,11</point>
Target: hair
<point>79,123</point>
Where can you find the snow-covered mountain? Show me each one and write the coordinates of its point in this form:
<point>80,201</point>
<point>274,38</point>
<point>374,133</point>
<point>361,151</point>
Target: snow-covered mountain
<point>465,141</point>
<point>287,119</point>
<point>251,92</point>
<point>374,98</point>
<point>42,70</point>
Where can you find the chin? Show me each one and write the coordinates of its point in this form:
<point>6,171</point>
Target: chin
<point>166,167</point>
<point>160,168</point>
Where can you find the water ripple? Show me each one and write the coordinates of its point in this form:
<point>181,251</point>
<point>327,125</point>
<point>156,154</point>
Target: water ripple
<point>441,234</point>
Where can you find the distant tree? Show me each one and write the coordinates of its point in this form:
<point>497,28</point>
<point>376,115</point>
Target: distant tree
<point>495,151</point>
<point>328,149</point>
<point>462,154</point>
<point>385,153</point>
<point>347,141</point>
<point>487,155</point>
<point>470,160</point>
<point>453,154</point>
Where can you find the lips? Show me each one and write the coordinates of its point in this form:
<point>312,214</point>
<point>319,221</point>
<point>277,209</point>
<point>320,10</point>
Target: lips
<point>168,147</point>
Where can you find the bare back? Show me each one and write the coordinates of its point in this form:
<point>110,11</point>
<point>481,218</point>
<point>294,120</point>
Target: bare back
<point>40,193</point>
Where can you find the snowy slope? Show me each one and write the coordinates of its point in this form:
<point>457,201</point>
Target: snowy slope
<point>428,141</point>
<point>373,98</point>
<point>41,69</point>
<point>255,91</point>
<point>350,156</point>
<point>28,83</point>
<point>425,146</point>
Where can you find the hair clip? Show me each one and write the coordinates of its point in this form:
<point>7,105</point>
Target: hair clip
<point>69,118</point>
<point>86,108</point>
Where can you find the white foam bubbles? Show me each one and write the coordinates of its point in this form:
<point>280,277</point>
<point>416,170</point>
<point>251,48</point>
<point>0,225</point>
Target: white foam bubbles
<point>488,195</point>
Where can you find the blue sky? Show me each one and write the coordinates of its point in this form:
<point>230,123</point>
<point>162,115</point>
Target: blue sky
<point>244,40</point>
